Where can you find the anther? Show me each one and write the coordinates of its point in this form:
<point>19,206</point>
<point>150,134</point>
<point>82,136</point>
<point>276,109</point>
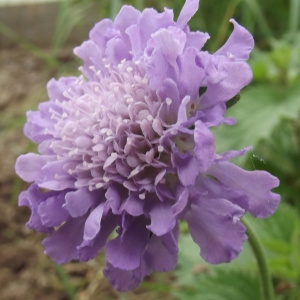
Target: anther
<point>142,196</point>
<point>149,118</point>
<point>160,148</point>
<point>99,185</point>
<point>169,101</point>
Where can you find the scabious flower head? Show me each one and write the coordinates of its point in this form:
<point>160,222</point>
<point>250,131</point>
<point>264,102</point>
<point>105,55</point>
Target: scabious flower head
<point>126,147</point>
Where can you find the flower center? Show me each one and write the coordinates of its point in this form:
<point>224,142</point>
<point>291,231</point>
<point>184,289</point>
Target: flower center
<point>108,129</point>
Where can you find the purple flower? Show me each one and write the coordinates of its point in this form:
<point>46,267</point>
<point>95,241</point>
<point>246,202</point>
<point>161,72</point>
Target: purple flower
<point>127,146</point>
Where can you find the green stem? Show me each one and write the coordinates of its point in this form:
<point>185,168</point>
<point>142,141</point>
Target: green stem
<point>261,19</point>
<point>223,28</point>
<point>66,283</point>
<point>114,8</point>
<point>294,15</point>
<point>265,275</point>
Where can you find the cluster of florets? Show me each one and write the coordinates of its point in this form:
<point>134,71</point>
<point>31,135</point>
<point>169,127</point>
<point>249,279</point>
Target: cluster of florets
<point>127,147</point>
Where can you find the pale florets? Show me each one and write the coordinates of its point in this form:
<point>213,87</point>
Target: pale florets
<point>110,129</point>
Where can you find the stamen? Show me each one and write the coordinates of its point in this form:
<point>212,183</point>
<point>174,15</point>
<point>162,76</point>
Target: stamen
<point>114,155</point>
<point>142,196</point>
<point>101,113</point>
<point>149,118</point>
<point>169,101</point>
<point>160,148</point>
<point>99,185</point>
<point>129,100</point>
<point>134,172</point>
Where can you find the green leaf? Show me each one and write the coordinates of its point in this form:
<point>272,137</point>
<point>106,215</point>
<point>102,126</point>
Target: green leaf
<point>278,246</point>
<point>190,262</point>
<point>66,283</point>
<point>257,113</point>
<point>196,279</point>
<point>221,285</point>
<point>281,267</point>
<point>281,226</point>
<point>280,235</point>
<point>263,67</point>
<point>280,155</point>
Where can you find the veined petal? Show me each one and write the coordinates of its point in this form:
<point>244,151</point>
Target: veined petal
<point>124,280</point>
<point>162,218</point>
<point>39,126</point>
<point>190,75</point>
<point>150,21</point>
<point>204,146</point>
<point>88,249</point>
<point>257,185</point>
<point>93,223</point>
<point>28,166</point>
<point>161,254</point>
<point>96,33</point>
<point>61,245</point>
<point>215,226</point>
<point>126,17</point>
<point>33,198</point>
<point>78,202</point>
<point>222,87</point>
<point>188,10</point>
<point>215,189</point>
<point>239,44</point>
<point>188,168</point>
<point>232,154</point>
<point>134,205</point>
<point>116,194</point>
<point>52,212</point>
<point>170,41</point>
<point>125,251</point>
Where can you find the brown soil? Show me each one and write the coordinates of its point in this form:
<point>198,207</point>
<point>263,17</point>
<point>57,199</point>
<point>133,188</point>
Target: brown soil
<point>25,272</point>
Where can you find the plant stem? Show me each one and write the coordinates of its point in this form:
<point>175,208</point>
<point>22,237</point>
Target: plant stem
<point>223,28</point>
<point>261,19</point>
<point>66,283</point>
<point>114,8</point>
<point>294,15</point>
<point>265,276</point>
